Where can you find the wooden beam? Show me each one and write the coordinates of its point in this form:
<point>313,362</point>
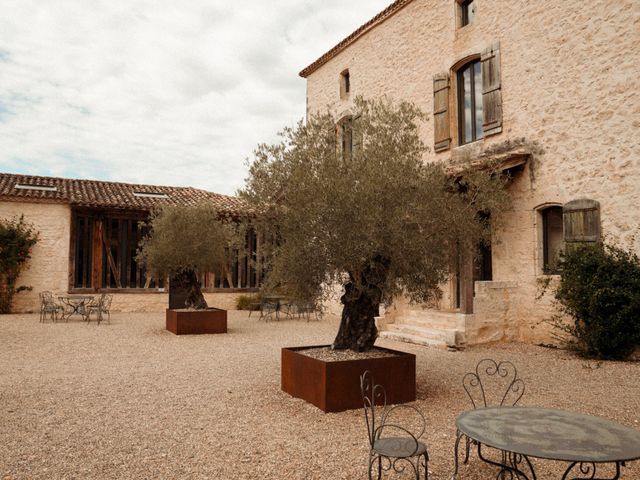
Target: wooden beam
<point>96,261</point>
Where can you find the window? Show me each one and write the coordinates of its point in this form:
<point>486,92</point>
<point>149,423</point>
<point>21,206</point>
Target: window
<point>478,94</point>
<point>468,12</point>
<point>345,84</point>
<point>470,114</point>
<point>552,238</point>
<point>105,244</point>
<point>345,138</point>
<point>565,228</point>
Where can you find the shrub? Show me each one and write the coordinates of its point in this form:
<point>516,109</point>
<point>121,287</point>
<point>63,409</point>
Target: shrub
<point>16,241</point>
<point>248,302</point>
<point>600,289</point>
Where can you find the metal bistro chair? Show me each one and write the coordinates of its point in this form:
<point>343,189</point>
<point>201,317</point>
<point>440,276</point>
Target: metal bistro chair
<point>269,310</point>
<point>507,390</point>
<point>100,306</point>
<point>49,306</point>
<point>392,453</point>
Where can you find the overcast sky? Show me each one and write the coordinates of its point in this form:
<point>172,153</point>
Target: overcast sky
<point>161,92</point>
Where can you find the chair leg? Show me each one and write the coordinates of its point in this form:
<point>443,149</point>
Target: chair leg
<point>466,452</point>
<point>426,466</point>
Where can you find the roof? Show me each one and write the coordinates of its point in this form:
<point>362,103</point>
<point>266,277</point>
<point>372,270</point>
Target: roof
<point>114,195</point>
<point>378,19</point>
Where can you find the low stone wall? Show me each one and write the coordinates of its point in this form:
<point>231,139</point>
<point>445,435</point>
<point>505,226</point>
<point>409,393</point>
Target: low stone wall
<point>159,301</point>
<point>511,311</point>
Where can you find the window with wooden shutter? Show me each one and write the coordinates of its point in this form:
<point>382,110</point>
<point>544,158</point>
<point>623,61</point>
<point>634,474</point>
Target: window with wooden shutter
<point>491,91</point>
<point>581,220</point>
<point>441,127</point>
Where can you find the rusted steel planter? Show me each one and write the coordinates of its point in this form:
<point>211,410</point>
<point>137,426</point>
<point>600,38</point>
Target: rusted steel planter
<point>194,322</point>
<point>335,386</point>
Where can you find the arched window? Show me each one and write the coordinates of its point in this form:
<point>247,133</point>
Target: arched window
<point>470,114</point>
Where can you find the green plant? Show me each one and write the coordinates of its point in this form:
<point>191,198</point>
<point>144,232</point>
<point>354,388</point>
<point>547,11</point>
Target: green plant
<point>248,302</point>
<point>358,206</point>
<point>600,290</point>
<point>184,242</point>
<point>17,238</point>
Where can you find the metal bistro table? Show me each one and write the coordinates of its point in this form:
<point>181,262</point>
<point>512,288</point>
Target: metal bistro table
<point>76,304</point>
<point>584,441</point>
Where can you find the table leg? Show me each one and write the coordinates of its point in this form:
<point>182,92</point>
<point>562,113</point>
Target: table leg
<point>588,471</point>
<point>510,465</point>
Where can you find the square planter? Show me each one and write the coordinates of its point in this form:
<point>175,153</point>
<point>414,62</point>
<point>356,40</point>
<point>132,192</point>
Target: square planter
<point>194,322</point>
<point>334,386</point>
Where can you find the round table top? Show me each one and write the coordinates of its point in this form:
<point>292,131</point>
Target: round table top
<point>550,433</point>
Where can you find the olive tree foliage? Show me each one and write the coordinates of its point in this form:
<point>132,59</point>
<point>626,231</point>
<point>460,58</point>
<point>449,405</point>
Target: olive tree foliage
<point>184,242</point>
<point>379,221</point>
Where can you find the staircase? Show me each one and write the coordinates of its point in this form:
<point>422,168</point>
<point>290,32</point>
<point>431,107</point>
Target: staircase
<point>428,327</point>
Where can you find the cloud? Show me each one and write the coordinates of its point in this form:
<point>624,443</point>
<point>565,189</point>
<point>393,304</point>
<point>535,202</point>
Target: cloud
<point>157,91</point>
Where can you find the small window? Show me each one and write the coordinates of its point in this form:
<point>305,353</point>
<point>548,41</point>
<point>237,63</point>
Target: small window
<point>42,188</point>
<point>345,134</point>
<point>552,239</point>
<point>150,195</point>
<point>345,84</point>
<point>468,12</point>
<point>470,102</point>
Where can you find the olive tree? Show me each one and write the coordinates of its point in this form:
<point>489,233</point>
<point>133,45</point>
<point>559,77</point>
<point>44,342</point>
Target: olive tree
<point>183,242</point>
<point>375,217</point>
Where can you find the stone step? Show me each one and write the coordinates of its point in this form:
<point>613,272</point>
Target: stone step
<point>435,319</point>
<point>422,335</point>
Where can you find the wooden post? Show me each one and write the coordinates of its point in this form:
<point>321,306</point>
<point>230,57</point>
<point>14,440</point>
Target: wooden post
<point>466,282</point>
<point>96,261</point>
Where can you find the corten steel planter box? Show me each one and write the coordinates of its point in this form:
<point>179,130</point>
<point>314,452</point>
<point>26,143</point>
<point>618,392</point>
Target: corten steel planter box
<point>335,386</point>
<point>193,322</point>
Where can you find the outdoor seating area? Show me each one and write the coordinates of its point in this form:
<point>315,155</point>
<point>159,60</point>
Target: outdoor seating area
<point>62,307</point>
<point>195,416</point>
<point>273,307</point>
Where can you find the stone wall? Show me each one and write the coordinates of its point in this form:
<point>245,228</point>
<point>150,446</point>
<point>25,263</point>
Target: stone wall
<point>48,268</point>
<point>570,85</point>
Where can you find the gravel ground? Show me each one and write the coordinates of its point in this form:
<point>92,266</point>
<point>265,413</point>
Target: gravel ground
<point>130,400</point>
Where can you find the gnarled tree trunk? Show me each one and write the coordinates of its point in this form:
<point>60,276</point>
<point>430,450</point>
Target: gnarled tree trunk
<point>185,292</point>
<point>358,330</point>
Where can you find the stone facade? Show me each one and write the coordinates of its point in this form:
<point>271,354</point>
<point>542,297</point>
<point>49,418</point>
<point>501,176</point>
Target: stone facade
<point>570,87</point>
<point>48,268</point>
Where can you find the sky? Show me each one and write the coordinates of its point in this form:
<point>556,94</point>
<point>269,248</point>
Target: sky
<point>160,92</point>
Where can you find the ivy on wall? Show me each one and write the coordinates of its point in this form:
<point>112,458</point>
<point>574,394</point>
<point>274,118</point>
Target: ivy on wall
<point>17,239</point>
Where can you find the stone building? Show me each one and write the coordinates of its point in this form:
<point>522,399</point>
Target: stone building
<point>89,232</point>
<point>551,90</point>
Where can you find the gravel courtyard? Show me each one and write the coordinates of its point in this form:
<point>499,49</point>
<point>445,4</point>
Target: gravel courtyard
<point>130,400</point>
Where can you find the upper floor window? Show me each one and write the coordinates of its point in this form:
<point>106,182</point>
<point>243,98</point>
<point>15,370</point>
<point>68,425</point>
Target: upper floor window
<point>470,113</point>
<point>345,84</point>
<point>468,12</point>
<point>467,100</point>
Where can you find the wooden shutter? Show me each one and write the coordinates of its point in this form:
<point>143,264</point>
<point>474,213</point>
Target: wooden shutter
<point>581,220</point>
<point>441,123</point>
<point>491,91</point>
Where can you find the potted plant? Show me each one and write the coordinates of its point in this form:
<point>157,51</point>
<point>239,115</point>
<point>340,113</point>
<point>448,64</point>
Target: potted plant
<point>182,244</point>
<point>353,203</point>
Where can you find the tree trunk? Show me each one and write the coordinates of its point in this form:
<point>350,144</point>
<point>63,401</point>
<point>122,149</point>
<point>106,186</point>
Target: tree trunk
<point>358,330</point>
<point>185,292</point>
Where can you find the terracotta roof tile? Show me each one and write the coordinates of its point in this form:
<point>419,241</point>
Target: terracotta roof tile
<point>100,194</point>
<point>379,18</point>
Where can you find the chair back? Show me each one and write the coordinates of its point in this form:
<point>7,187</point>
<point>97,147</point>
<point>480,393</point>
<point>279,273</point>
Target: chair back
<point>105,301</point>
<point>493,384</point>
<point>372,395</point>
